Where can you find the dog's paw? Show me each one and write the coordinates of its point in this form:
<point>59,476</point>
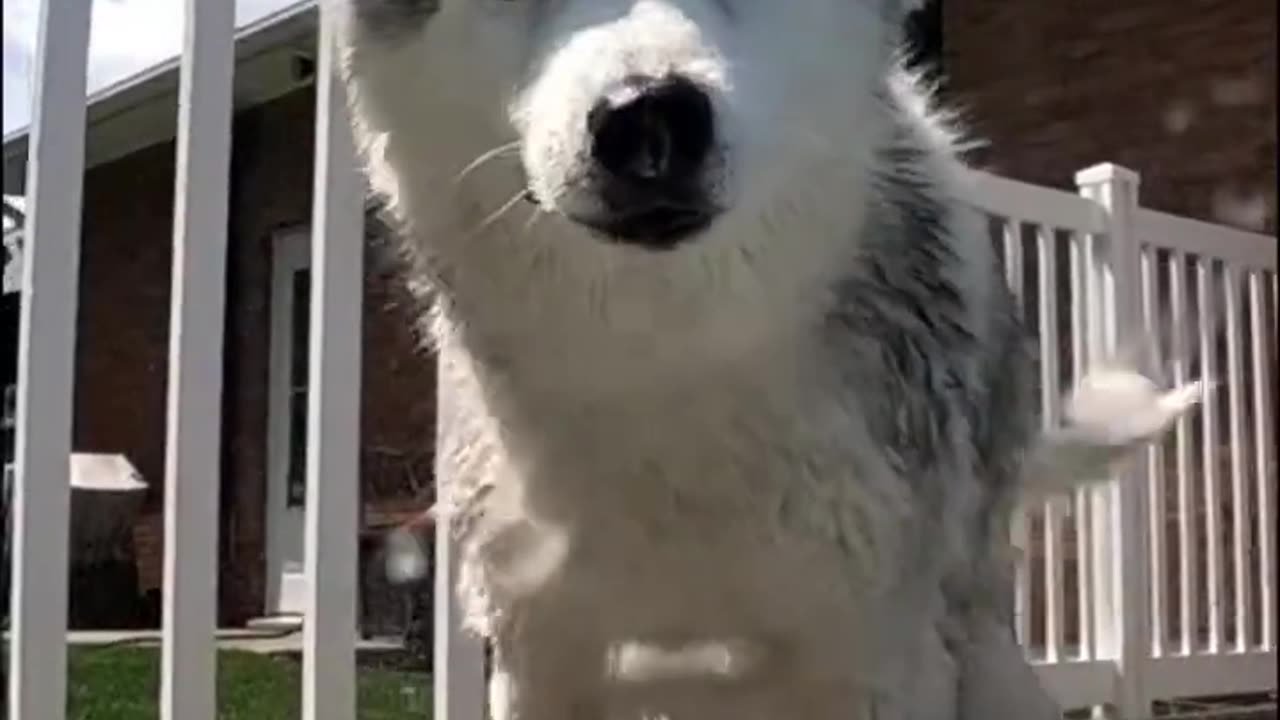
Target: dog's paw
<point>1122,408</point>
<point>1109,414</point>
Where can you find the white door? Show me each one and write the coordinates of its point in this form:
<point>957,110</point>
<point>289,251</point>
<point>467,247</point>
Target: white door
<point>287,421</point>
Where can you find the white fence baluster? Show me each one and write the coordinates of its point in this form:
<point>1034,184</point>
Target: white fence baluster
<point>1054,581</point>
<point>1158,510</point>
<point>1083,525</point>
<point>188,689</point>
<point>1020,538</point>
<point>458,666</point>
<point>1019,530</point>
<point>1014,267</point>
<point>1242,591</point>
<point>1084,570</point>
<point>1264,461</point>
<point>1050,400</point>
<point>46,366</point>
<point>1188,547</point>
<point>1208,344</point>
<point>333,410</point>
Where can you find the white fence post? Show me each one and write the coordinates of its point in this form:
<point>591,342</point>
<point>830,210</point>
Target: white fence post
<point>1121,576</point>
<point>188,675</point>
<point>1264,423</point>
<point>46,366</point>
<point>333,409</point>
<point>458,657</point>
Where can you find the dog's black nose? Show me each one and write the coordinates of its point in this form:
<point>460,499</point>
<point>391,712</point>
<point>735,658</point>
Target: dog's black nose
<point>650,141</point>
<point>655,132</point>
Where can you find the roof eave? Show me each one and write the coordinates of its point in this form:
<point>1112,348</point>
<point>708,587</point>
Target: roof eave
<point>155,89</point>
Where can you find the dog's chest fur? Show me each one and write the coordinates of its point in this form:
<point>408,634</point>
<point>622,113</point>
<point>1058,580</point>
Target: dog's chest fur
<point>833,493</point>
<point>782,495</point>
<point>668,505</point>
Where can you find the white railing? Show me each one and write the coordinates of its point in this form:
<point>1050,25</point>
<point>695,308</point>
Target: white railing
<point>1112,611</point>
<point>1125,595</point>
<point>37,682</point>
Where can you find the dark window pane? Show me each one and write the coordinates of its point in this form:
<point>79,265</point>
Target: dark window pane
<point>298,373</point>
<point>8,423</point>
<point>296,494</point>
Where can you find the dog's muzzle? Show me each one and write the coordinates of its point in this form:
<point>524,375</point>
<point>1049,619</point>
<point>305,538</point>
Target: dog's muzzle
<point>650,142</point>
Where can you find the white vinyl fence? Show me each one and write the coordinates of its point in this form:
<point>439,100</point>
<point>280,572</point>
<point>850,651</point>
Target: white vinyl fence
<point>1162,585</point>
<point>1159,586</point>
<point>37,682</point>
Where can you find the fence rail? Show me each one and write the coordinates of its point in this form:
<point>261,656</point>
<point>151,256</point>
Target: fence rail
<point>1157,586</point>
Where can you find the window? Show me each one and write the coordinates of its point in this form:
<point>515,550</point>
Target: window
<point>8,423</point>
<point>8,377</point>
<point>299,371</point>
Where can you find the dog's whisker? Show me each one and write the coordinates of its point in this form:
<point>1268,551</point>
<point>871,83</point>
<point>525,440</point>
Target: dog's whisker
<point>485,157</point>
<point>496,215</point>
<point>534,217</point>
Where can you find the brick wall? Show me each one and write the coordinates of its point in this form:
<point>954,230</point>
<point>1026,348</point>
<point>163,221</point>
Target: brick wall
<point>272,191</point>
<point>123,328</point>
<point>123,324</point>
<point>1183,92</point>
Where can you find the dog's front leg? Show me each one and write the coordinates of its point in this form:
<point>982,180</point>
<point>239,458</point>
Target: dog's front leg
<point>523,695</point>
<point>545,676</point>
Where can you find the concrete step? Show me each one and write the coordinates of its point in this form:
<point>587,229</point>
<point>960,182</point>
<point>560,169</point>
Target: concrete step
<point>275,623</point>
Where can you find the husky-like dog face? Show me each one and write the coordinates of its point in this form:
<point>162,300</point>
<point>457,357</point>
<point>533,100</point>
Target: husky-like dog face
<point>636,158</point>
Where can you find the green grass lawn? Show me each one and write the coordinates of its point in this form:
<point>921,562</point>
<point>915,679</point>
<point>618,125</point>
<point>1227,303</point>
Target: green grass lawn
<point>122,683</point>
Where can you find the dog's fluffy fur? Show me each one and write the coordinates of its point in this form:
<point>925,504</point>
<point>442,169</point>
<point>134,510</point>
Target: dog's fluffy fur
<point>766,474</point>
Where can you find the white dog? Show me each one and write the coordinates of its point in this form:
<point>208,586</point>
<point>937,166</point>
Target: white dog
<point>741,402</point>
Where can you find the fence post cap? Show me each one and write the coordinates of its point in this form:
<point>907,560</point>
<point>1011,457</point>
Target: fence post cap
<point>1106,172</point>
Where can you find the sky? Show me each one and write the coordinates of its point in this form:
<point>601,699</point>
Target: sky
<point>127,36</point>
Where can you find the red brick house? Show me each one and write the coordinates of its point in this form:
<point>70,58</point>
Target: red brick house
<point>1182,92</point>
<point>123,322</point>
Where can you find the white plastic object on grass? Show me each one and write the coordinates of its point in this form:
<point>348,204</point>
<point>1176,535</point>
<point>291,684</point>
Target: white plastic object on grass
<point>406,559</point>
